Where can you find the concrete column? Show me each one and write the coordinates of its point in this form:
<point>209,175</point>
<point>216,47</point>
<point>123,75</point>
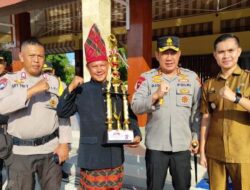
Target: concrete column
<point>99,12</point>
<point>139,43</point>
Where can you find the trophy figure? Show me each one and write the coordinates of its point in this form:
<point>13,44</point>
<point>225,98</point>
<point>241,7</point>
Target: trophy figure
<point>118,130</point>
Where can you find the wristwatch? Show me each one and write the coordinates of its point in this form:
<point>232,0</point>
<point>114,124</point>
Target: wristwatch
<point>238,96</point>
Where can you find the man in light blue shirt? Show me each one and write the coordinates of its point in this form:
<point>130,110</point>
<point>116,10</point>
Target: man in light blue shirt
<point>170,95</point>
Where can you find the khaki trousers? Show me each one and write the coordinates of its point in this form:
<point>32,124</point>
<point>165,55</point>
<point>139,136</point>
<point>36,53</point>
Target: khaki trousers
<point>219,173</point>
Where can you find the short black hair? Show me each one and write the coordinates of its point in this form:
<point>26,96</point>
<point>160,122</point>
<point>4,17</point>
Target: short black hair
<point>224,37</point>
<point>31,41</point>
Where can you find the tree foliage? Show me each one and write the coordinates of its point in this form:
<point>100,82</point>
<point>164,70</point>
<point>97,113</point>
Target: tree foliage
<point>7,56</point>
<point>123,64</point>
<point>62,67</point>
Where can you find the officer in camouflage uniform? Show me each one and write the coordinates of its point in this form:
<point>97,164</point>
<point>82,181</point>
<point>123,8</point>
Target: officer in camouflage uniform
<point>225,126</point>
<point>30,98</point>
<point>170,96</point>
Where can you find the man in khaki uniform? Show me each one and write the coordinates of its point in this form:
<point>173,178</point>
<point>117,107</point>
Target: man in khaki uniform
<point>225,126</point>
<point>30,98</point>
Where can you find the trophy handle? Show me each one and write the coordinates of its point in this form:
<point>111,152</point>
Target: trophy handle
<point>109,106</point>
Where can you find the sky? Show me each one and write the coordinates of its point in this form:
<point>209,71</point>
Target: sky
<point>71,57</point>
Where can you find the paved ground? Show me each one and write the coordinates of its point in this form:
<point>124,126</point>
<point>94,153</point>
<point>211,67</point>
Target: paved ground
<point>135,173</point>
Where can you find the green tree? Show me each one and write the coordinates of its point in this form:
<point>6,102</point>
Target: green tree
<point>7,56</point>
<point>123,69</point>
<point>62,67</point>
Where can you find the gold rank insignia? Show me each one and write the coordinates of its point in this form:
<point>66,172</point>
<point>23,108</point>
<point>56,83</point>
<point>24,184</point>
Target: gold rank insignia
<point>19,81</point>
<point>156,78</point>
<point>184,91</point>
<point>169,42</point>
<point>183,78</point>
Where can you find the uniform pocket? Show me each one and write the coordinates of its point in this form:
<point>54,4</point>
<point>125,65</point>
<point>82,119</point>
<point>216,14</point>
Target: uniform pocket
<point>184,97</point>
<point>212,97</point>
<point>213,100</point>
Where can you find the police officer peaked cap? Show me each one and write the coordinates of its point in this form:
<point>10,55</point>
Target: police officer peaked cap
<point>168,42</point>
<point>47,66</point>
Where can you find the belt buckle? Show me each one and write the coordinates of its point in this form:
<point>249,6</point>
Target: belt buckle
<point>38,142</point>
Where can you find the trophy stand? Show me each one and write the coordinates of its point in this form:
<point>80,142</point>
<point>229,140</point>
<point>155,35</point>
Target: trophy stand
<point>118,129</point>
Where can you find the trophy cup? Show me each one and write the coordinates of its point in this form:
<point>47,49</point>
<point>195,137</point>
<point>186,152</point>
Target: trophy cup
<point>118,130</point>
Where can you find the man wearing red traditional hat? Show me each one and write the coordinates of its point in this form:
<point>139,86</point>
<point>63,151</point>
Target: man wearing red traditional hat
<point>101,164</point>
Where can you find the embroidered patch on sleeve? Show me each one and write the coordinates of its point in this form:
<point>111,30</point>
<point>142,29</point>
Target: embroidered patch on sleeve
<point>3,83</point>
<point>139,82</point>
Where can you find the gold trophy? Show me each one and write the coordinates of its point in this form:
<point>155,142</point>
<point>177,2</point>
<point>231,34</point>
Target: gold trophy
<point>118,130</point>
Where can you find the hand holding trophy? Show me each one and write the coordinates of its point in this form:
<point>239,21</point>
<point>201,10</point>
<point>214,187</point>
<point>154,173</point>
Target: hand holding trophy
<point>118,130</point>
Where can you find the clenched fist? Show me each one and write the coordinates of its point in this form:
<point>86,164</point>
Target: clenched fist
<point>39,87</point>
<point>75,83</point>
<point>227,93</point>
<point>161,91</point>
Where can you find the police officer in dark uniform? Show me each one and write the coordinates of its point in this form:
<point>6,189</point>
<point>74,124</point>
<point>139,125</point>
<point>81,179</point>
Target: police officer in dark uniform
<point>3,118</point>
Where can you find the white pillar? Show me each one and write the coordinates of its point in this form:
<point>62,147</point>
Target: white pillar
<point>98,12</point>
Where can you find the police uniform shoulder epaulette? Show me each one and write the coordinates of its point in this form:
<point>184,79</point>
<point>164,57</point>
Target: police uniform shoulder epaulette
<point>53,78</point>
<point>10,73</point>
<point>150,72</point>
<point>209,80</point>
<point>185,69</point>
<point>189,72</point>
<point>49,74</point>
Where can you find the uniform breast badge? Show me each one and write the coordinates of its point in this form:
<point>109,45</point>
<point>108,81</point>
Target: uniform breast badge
<point>184,91</point>
<point>19,81</point>
<point>118,129</point>
<point>213,105</point>
<point>53,102</point>
<point>157,78</point>
<point>183,78</point>
<point>185,99</point>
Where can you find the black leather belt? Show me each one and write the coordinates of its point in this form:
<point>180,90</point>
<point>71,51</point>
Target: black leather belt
<point>36,141</point>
